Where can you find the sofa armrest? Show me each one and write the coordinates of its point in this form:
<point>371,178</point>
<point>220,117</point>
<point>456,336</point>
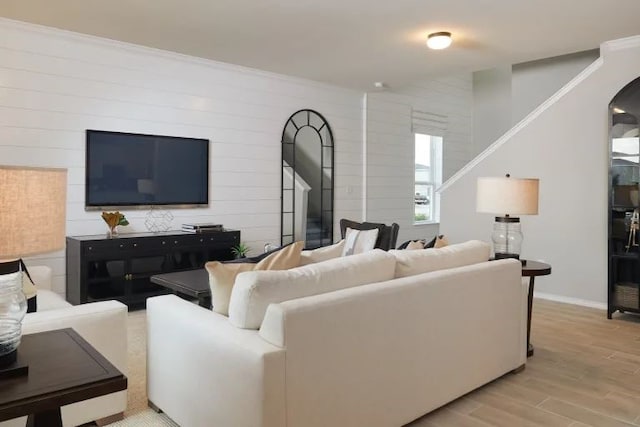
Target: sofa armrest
<point>102,324</point>
<point>201,370</point>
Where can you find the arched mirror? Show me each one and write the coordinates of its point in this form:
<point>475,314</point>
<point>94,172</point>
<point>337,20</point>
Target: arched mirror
<point>307,180</point>
<point>624,200</point>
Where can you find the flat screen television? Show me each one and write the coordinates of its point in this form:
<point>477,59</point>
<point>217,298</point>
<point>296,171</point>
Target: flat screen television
<point>136,170</point>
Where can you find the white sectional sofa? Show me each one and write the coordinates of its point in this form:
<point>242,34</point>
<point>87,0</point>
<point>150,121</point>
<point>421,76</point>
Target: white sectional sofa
<point>333,349</point>
<point>102,324</point>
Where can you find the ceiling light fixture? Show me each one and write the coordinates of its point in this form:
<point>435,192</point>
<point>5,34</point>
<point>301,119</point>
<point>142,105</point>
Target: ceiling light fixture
<point>439,40</point>
<point>618,110</point>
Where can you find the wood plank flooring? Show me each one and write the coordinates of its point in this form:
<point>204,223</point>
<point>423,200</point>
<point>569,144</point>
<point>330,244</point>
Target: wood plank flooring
<point>585,372</point>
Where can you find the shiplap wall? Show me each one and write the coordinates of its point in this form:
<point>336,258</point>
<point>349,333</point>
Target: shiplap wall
<point>55,84</point>
<point>390,146</point>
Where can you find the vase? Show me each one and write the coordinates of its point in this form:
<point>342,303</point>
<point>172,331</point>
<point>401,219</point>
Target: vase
<point>112,232</point>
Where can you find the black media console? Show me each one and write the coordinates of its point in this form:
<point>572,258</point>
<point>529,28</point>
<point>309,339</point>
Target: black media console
<point>99,268</point>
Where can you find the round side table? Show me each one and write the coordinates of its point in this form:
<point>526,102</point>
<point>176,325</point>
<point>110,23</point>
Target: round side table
<point>532,269</point>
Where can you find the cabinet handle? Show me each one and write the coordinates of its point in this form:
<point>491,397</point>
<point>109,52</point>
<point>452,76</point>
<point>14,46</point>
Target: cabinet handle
<point>135,245</point>
<point>90,248</point>
<point>175,241</point>
<point>121,245</point>
<point>164,243</point>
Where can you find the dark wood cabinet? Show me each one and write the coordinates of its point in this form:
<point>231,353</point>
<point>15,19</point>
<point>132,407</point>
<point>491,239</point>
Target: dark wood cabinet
<point>99,268</point>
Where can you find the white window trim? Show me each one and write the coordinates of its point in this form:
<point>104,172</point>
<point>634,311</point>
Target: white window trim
<point>435,182</point>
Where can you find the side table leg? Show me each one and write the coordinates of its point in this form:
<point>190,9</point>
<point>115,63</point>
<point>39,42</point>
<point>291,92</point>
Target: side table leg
<point>50,418</point>
<point>530,309</point>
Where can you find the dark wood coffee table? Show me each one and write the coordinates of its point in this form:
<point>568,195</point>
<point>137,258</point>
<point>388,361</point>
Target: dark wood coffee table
<point>63,369</point>
<point>533,269</point>
<point>191,283</point>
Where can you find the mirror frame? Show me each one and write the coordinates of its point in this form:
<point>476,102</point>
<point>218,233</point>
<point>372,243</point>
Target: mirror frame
<point>323,145</point>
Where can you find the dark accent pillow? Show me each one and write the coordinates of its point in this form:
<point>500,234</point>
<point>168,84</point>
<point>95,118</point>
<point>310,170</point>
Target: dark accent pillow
<point>255,259</point>
<point>427,245</point>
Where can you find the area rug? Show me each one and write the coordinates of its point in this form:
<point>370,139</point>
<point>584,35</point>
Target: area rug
<point>148,418</point>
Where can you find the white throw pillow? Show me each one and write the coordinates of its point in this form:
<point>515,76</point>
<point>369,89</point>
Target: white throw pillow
<point>359,241</point>
<point>255,290</point>
<point>322,254</point>
<point>411,263</point>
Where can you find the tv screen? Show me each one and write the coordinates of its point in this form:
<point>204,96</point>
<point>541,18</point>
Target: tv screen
<point>126,169</point>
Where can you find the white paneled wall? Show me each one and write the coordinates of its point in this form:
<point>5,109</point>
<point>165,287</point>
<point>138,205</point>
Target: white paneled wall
<point>54,85</point>
<point>390,146</point>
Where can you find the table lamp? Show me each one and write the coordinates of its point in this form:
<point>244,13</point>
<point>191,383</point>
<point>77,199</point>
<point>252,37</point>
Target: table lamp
<point>507,196</point>
<point>32,221</point>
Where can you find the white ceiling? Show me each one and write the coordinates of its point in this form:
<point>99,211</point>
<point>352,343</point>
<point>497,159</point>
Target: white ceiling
<point>351,43</point>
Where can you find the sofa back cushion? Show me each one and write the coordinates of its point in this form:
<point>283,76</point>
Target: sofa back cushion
<point>255,290</point>
<point>411,263</point>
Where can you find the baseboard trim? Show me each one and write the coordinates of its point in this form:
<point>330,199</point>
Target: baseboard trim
<point>570,300</point>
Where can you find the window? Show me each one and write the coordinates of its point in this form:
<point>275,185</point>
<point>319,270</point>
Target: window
<point>428,176</point>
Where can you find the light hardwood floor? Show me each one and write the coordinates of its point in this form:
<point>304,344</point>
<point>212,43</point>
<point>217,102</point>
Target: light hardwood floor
<point>585,372</point>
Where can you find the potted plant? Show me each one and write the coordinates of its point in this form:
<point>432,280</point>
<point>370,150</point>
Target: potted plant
<point>240,250</point>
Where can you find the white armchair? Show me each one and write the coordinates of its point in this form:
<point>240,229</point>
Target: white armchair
<point>102,324</point>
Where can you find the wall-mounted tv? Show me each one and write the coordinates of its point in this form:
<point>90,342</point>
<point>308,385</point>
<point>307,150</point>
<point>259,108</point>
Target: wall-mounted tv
<point>136,170</point>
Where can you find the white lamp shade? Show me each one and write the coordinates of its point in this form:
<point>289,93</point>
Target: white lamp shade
<point>32,210</point>
<point>507,196</point>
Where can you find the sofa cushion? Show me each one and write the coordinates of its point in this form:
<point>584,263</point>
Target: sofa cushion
<point>49,300</point>
<point>322,254</point>
<point>222,276</point>
<point>255,290</point>
<point>359,241</point>
<point>410,263</point>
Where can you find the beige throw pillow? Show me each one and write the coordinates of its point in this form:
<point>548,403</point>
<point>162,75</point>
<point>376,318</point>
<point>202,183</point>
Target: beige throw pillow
<point>441,242</point>
<point>322,254</point>
<point>413,245</point>
<point>223,276</point>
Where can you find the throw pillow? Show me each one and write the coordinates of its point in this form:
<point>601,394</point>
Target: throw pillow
<point>222,276</point>
<point>441,242</point>
<point>418,244</point>
<point>359,241</point>
<point>427,245</point>
<point>322,254</point>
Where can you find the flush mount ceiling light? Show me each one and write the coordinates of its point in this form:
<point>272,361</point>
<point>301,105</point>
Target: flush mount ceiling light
<point>440,40</point>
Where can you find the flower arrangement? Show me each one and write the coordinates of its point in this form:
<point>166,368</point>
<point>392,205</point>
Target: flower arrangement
<point>114,219</point>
